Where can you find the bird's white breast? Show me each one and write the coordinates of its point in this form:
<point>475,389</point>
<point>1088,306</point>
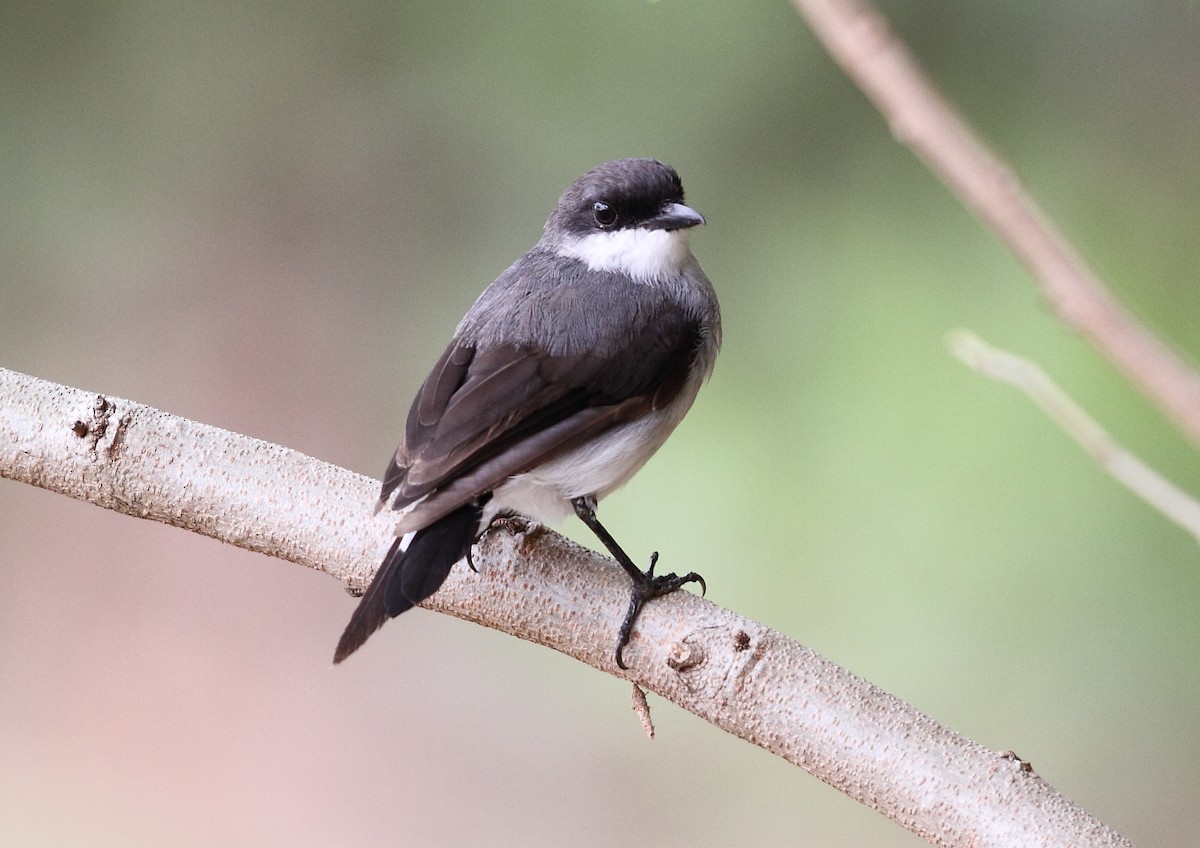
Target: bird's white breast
<point>595,468</point>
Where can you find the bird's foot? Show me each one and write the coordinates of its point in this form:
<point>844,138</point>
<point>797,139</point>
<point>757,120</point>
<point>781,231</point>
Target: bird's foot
<point>646,586</point>
<point>509,522</point>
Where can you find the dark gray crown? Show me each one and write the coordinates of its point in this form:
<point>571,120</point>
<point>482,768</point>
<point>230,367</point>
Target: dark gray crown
<point>636,190</point>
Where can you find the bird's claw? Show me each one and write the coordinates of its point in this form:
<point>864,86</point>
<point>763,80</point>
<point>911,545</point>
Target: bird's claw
<point>650,586</point>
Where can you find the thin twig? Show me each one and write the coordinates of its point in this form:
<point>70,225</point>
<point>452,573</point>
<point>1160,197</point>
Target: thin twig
<point>1126,468</point>
<point>861,41</point>
<point>642,707</point>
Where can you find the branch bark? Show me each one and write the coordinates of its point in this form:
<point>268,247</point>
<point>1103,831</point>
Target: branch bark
<point>735,673</point>
<point>861,41</point>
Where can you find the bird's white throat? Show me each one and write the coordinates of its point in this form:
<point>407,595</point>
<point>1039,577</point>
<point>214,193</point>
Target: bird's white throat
<point>643,254</point>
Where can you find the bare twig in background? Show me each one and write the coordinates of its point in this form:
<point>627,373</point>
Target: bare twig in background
<point>1126,468</point>
<point>735,673</point>
<point>861,41</point>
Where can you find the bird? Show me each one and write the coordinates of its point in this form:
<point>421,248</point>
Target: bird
<point>569,371</point>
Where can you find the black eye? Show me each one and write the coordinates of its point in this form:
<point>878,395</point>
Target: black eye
<point>604,214</point>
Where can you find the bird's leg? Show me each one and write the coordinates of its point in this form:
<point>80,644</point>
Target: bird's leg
<point>646,584</point>
<point>482,531</point>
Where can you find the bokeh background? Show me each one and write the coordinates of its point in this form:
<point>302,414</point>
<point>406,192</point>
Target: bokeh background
<point>270,216</point>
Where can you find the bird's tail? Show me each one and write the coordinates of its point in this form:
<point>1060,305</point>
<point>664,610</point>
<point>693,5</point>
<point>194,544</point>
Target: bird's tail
<point>410,575</point>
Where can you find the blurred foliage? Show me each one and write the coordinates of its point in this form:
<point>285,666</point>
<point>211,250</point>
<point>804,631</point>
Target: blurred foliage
<point>270,216</point>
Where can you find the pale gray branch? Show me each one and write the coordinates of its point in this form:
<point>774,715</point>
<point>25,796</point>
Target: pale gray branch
<point>861,41</point>
<point>735,673</point>
<point>1123,466</point>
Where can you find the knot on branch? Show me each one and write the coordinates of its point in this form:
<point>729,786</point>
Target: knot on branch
<point>94,427</point>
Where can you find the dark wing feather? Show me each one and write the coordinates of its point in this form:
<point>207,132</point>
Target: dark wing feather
<point>444,380</point>
<point>484,414</point>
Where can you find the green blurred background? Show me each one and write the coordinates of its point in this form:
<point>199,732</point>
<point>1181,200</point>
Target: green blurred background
<point>269,217</point>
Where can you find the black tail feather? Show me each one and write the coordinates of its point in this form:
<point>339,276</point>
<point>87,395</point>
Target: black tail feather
<point>429,558</point>
<point>408,577</point>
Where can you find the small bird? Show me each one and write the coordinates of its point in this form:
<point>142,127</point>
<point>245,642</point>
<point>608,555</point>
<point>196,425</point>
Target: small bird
<point>564,377</point>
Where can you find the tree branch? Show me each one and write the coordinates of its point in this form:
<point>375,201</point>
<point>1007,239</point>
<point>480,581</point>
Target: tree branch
<point>861,41</point>
<point>1156,490</point>
<point>735,673</point>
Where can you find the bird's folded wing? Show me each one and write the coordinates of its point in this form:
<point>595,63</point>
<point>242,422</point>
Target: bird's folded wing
<point>483,415</point>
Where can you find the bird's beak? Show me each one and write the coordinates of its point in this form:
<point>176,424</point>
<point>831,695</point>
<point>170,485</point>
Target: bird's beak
<point>675,216</point>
